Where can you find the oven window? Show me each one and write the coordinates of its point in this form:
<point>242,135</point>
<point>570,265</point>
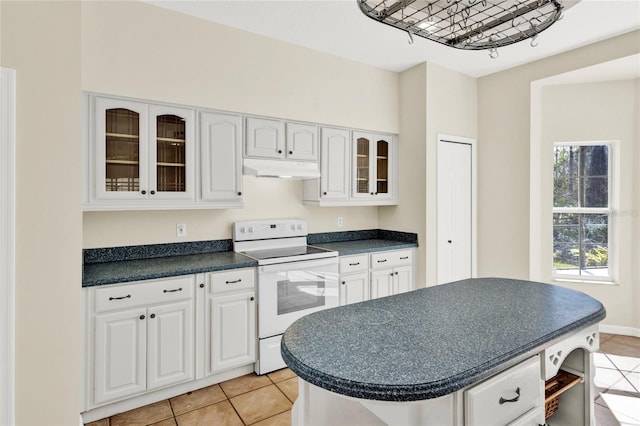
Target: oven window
<point>300,291</point>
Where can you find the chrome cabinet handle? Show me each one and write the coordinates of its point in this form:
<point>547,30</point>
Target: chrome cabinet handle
<point>503,400</point>
<point>128,296</point>
<point>233,282</point>
<point>172,291</point>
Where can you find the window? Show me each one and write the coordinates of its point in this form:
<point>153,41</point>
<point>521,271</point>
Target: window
<point>582,211</point>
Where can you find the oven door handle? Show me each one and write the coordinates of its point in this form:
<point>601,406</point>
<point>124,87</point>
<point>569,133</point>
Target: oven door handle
<point>288,266</point>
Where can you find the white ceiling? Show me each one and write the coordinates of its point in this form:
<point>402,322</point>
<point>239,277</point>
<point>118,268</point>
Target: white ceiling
<point>339,27</point>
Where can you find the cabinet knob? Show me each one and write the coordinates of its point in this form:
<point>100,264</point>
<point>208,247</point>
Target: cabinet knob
<point>279,151</point>
<point>252,298</point>
<point>153,192</point>
<point>391,274</point>
<point>152,315</point>
<point>324,193</point>
<point>290,152</point>
<point>201,285</point>
<point>449,241</point>
<point>344,282</point>
<point>396,273</point>
<point>239,193</point>
<point>372,193</point>
<point>143,192</point>
<point>141,317</point>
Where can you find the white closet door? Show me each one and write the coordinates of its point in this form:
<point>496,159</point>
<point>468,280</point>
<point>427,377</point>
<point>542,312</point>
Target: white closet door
<point>455,185</point>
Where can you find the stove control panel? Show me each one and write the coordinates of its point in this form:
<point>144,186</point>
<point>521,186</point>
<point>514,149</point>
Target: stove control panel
<point>268,229</point>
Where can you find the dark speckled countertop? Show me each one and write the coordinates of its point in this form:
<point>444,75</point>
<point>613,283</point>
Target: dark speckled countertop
<point>433,341</point>
<point>112,265</point>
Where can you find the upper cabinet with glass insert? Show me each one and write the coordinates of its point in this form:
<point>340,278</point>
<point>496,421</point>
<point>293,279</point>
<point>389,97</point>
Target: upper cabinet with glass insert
<point>140,154</point>
<point>373,166</point>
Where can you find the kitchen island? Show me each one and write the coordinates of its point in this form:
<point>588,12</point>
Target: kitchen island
<point>472,352</point>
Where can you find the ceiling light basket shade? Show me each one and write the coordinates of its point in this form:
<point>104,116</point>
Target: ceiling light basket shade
<point>467,24</point>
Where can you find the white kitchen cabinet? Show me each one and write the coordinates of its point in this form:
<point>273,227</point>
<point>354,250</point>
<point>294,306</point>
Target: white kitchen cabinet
<point>140,154</point>
<point>373,171</point>
<point>391,272</point>
<point>354,279</point>
<point>221,138</point>
<point>506,397</point>
<point>378,274</point>
<point>231,320</point>
<point>357,169</point>
<point>302,142</point>
<point>170,344</point>
<point>277,139</point>
<point>120,355</point>
<point>143,337</point>
<point>265,138</point>
<point>332,188</point>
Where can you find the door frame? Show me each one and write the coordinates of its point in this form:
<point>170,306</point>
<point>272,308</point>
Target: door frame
<point>7,244</point>
<point>445,138</point>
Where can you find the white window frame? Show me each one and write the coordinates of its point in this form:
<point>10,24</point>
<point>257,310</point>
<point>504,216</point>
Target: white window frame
<point>610,211</point>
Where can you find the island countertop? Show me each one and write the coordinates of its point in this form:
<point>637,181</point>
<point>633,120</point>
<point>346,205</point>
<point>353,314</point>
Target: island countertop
<point>433,341</point>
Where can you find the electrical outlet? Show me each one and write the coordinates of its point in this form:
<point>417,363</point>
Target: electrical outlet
<point>340,221</point>
<point>181,229</point>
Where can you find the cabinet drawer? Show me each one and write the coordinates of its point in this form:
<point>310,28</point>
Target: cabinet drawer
<point>232,280</point>
<point>144,293</point>
<point>392,258</point>
<point>506,396</point>
<point>351,264</point>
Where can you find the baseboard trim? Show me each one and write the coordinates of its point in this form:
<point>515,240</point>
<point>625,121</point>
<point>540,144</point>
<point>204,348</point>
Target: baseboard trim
<point>618,329</point>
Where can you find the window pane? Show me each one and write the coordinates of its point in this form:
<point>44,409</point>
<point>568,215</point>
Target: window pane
<point>580,176</point>
<point>580,244</point>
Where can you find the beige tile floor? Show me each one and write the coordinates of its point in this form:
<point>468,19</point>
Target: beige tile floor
<point>267,400</point>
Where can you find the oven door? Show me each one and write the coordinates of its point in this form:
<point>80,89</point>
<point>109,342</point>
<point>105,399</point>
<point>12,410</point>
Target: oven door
<point>288,291</point>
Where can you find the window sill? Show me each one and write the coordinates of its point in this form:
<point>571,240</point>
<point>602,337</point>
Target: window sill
<point>582,281</point>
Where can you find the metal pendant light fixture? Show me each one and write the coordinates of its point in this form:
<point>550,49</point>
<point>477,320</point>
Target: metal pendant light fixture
<point>467,24</point>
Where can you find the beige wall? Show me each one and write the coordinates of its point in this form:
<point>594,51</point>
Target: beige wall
<point>504,134</point>
<point>162,55</point>
<point>41,40</point>
<point>604,111</point>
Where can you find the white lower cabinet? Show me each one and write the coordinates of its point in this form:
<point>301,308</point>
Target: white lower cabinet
<point>354,279</point>
<point>143,337</point>
<point>231,320</point>
<point>379,274</point>
<point>514,396</point>
<point>391,272</point>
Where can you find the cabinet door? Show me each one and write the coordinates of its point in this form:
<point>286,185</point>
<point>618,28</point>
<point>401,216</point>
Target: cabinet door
<point>221,157</point>
<point>362,148</point>
<point>334,164</point>
<point>354,288</point>
<point>265,138</point>
<point>233,331</point>
<point>170,344</point>
<point>382,283</point>
<point>120,355</point>
<point>302,142</point>
<point>120,150</point>
<point>382,156</point>
<point>171,153</point>
<point>403,277</point>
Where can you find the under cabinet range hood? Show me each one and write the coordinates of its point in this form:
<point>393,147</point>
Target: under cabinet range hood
<point>281,168</point>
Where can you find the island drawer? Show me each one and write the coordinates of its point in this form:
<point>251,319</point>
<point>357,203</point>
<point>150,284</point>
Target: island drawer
<point>143,293</point>
<point>232,280</point>
<point>391,259</point>
<point>506,396</point>
<point>352,264</point>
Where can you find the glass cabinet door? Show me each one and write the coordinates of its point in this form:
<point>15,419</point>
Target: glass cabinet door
<point>382,167</point>
<point>120,128</point>
<point>170,147</point>
<point>171,152</point>
<point>362,166</point>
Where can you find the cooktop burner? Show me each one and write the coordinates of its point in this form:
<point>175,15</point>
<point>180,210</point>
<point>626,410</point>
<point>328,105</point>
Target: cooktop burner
<point>285,252</point>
